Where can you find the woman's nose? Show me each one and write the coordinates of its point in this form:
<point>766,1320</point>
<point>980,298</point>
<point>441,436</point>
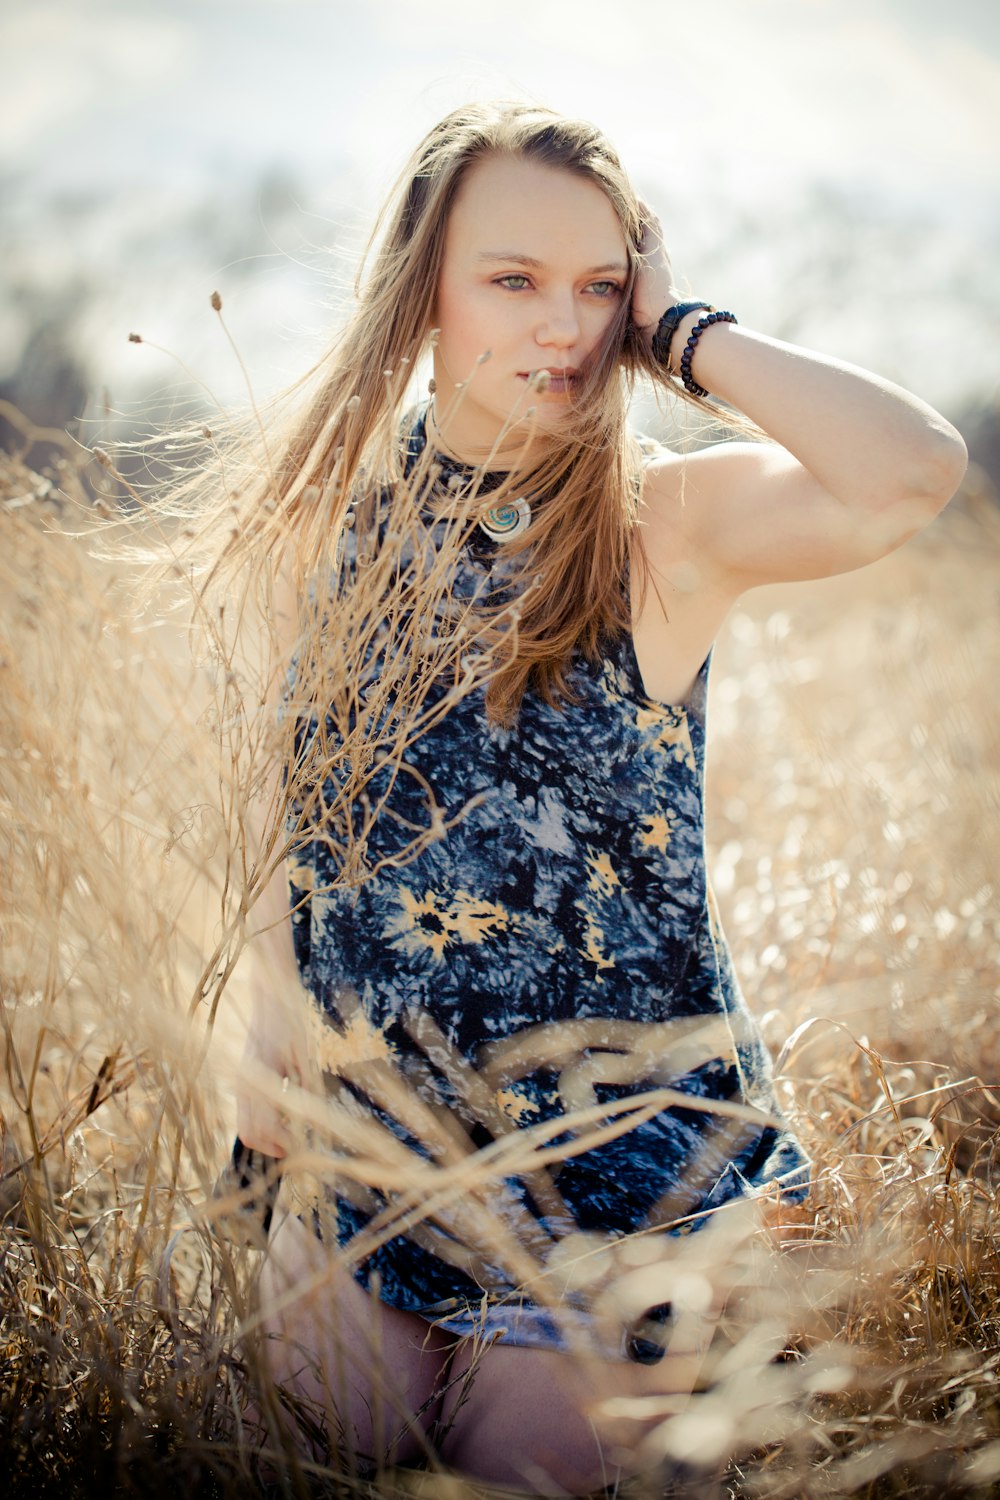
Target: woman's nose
<point>559,326</point>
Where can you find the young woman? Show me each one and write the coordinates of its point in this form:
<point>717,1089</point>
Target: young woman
<point>513,912</point>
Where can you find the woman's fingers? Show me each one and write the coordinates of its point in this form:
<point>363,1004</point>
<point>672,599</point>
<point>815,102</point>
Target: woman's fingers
<point>652,246</point>
<point>654,286</point>
<point>278,1063</point>
<point>652,229</point>
<point>262,1120</point>
<point>262,1128</point>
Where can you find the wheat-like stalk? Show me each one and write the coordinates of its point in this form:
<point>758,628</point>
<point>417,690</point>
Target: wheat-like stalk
<point>856,874</point>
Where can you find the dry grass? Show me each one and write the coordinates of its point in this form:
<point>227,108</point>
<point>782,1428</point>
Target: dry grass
<point>852,796</point>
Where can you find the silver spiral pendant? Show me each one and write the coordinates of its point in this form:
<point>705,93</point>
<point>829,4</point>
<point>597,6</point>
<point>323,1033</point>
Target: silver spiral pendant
<point>503,522</point>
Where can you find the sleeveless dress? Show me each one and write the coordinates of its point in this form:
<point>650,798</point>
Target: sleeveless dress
<point>557,951</point>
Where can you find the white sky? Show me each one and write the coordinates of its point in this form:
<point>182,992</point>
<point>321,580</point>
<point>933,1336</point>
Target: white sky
<point>880,88</point>
<point>717,106</point>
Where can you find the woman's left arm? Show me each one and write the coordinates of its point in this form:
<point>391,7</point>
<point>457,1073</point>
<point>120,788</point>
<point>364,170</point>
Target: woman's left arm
<point>859,464</point>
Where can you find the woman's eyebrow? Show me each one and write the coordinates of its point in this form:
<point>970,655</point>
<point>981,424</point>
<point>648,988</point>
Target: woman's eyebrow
<point>515,257</point>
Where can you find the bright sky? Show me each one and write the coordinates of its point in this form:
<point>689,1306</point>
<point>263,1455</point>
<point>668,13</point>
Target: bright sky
<point>884,88</point>
<point>726,111</point>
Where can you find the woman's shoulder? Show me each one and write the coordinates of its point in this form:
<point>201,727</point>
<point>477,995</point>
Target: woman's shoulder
<point>664,478</point>
<point>691,493</point>
<point>663,470</point>
<point>651,449</point>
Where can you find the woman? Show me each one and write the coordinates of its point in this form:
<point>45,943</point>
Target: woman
<point>521,897</point>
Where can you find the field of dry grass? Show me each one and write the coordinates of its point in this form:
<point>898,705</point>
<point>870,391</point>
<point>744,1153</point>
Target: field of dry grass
<point>853,799</point>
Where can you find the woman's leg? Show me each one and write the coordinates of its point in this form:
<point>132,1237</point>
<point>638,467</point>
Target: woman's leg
<point>365,1374</point>
<point>530,1419</point>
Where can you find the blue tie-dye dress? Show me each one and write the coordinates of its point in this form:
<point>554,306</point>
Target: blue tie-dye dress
<point>558,950</point>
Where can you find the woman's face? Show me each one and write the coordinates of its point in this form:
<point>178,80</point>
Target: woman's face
<point>535,268</point>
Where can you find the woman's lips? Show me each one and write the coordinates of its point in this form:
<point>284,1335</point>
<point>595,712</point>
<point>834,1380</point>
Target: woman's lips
<point>558,382</point>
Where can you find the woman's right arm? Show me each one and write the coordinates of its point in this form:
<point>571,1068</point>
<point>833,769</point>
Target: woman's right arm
<point>277,1054</point>
<point>277,1051</point>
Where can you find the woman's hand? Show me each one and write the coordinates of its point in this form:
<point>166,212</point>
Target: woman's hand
<point>654,289</point>
<point>276,1062</point>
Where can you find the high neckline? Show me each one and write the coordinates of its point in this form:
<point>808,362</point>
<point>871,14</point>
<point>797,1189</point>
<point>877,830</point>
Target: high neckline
<point>418,440</point>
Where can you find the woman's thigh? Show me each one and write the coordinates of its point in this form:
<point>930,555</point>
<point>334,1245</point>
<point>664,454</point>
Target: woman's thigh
<point>533,1419</point>
<point>366,1375</point>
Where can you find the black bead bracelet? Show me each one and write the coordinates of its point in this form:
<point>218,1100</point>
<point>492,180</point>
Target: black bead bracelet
<point>690,384</point>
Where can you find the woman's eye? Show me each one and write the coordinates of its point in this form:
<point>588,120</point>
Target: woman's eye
<point>506,281</point>
<point>605,288</point>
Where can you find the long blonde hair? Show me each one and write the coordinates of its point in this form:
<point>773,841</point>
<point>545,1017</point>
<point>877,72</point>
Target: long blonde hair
<point>348,436</point>
<point>305,510</point>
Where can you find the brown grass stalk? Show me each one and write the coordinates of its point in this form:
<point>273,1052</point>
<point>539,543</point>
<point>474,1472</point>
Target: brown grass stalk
<point>856,873</point>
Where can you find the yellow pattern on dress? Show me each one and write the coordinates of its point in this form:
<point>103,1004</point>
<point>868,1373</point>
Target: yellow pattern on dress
<point>359,1041</point>
<point>302,876</point>
<point>670,733</point>
<point>604,878</point>
<point>515,1105</point>
<point>656,835</point>
<point>593,946</point>
<point>433,922</point>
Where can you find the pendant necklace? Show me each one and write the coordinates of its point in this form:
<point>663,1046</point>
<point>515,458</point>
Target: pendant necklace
<point>503,522</point>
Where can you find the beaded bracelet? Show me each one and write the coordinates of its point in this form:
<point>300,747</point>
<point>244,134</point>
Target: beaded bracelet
<point>690,384</point>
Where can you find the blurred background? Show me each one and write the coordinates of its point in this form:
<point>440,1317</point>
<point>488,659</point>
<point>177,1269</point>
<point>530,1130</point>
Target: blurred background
<point>828,168</point>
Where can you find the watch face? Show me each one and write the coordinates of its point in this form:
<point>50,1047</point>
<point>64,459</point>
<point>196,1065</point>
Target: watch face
<point>667,326</point>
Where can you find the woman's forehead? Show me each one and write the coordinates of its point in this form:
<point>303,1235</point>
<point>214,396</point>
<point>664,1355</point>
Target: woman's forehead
<point>510,207</point>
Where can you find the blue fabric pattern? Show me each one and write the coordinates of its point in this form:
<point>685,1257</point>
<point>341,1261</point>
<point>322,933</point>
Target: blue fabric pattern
<point>562,934</point>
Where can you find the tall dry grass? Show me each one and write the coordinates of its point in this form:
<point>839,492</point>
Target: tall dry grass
<point>852,793</point>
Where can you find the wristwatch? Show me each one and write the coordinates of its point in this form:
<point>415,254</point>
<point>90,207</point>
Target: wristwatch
<point>667,327</point>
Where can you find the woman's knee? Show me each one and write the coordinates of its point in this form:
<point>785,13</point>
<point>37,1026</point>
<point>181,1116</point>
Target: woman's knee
<point>555,1423</point>
<point>361,1377</point>
<point>531,1419</point>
